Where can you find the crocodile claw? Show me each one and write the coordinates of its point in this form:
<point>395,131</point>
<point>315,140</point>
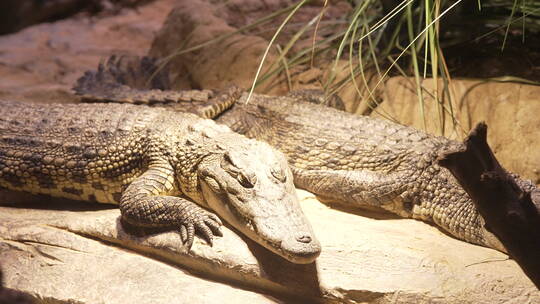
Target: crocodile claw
<point>206,224</point>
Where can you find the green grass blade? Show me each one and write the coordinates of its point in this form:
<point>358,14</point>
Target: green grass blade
<point>278,31</point>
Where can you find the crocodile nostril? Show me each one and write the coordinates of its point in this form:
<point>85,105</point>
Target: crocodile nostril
<point>303,239</point>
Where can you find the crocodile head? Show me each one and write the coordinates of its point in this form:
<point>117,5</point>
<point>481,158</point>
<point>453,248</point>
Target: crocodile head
<point>251,187</point>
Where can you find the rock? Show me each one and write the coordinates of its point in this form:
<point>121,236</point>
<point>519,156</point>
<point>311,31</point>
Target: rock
<point>17,14</point>
<point>86,257</point>
<point>10,296</point>
<point>509,109</point>
<point>50,263</point>
<point>232,60</point>
<point>207,50</point>
<point>42,62</point>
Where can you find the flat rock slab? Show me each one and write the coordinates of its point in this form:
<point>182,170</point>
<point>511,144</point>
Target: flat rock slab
<point>86,257</point>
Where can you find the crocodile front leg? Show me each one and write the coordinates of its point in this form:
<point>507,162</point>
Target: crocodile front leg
<point>362,188</point>
<point>147,202</point>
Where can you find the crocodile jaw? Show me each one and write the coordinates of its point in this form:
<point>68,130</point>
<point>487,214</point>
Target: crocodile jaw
<point>268,213</point>
<point>282,228</point>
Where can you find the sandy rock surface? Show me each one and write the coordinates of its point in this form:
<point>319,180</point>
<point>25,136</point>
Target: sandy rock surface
<point>85,256</point>
<point>50,263</point>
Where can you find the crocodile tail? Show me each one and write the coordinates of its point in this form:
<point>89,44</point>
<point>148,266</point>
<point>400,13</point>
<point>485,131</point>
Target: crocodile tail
<point>140,80</point>
<point>222,102</point>
<point>127,79</point>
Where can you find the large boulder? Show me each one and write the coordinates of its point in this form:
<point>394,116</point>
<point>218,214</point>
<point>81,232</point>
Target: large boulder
<point>85,256</point>
<point>207,45</point>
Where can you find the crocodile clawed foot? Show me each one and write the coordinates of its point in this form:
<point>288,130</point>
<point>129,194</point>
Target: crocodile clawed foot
<point>206,224</point>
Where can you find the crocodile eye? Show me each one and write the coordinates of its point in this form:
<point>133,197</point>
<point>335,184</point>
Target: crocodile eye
<point>247,182</point>
<point>227,159</point>
<point>278,174</point>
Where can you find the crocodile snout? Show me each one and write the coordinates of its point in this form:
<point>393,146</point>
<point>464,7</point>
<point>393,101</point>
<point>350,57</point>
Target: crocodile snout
<point>301,248</point>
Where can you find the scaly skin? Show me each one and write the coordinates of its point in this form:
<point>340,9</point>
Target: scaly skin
<point>127,80</point>
<point>350,159</point>
<point>160,167</point>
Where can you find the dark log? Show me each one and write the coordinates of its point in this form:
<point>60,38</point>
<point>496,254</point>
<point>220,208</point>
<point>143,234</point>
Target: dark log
<point>509,206</point>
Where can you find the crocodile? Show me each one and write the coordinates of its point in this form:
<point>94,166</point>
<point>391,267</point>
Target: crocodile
<point>163,169</point>
<point>357,161</point>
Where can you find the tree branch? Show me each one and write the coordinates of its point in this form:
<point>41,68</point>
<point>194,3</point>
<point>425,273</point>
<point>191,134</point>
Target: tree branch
<point>509,206</point>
